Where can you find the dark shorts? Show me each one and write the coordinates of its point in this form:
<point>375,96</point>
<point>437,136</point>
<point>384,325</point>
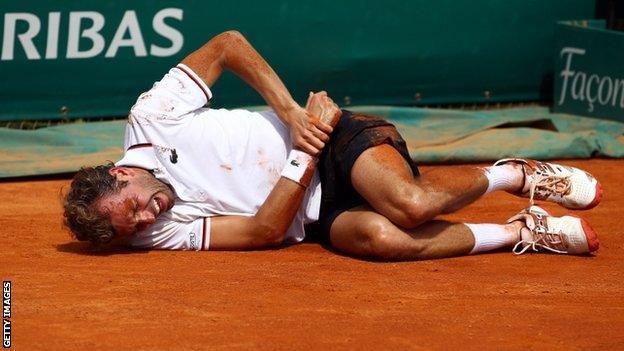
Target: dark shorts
<point>353,134</point>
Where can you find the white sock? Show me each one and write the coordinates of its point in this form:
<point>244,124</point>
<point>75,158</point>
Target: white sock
<point>503,177</point>
<point>491,236</point>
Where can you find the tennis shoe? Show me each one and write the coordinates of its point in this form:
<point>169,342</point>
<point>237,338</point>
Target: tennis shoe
<point>570,187</point>
<point>565,235</point>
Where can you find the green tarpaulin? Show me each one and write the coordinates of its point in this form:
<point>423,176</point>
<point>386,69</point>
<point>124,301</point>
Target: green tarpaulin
<point>433,136</point>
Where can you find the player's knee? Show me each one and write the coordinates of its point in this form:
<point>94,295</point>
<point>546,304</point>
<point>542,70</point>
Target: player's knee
<point>413,209</point>
<point>377,239</point>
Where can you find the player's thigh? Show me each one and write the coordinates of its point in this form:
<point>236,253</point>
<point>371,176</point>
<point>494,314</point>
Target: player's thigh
<point>383,177</point>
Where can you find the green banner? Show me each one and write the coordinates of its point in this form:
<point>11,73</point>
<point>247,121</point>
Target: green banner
<point>68,59</point>
<point>588,66</point>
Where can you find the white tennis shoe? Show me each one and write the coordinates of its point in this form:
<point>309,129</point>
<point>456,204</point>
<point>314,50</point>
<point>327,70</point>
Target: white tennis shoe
<point>568,186</point>
<point>566,235</point>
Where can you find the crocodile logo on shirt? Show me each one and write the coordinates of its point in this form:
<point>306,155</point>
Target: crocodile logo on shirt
<point>174,156</point>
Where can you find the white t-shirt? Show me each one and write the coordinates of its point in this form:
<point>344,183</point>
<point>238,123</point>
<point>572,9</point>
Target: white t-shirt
<point>219,162</point>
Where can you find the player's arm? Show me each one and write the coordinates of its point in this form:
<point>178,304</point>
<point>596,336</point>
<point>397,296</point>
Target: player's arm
<point>230,50</point>
<point>269,225</point>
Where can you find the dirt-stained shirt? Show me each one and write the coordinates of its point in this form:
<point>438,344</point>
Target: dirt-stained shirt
<point>218,162</point>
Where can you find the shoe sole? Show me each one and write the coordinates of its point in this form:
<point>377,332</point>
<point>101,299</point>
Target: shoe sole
<point>590,235</point>
<point>597,198</point>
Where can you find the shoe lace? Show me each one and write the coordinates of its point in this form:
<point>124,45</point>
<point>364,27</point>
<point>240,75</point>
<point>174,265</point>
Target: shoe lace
<point>541,239</point>
<point>547,185</point>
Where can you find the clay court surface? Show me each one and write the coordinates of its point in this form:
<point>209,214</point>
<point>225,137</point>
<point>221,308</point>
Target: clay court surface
<point>67,297</point>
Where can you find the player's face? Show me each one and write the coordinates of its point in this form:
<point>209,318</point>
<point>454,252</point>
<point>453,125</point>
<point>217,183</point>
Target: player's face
<point>138,204</point>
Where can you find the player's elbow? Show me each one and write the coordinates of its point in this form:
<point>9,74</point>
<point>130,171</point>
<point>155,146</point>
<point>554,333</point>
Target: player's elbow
<point>232,34</point>
<point>269,235</point>
<point>230,38</point>
<point>232,45</point>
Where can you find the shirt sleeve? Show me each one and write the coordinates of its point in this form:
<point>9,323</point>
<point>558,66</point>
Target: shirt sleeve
<point>179,92</point>
<point>166,234</point>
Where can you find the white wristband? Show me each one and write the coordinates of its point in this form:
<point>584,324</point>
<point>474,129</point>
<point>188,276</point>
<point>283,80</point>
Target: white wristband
<point>296,165</point>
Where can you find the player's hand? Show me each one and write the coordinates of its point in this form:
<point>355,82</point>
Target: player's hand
<point>324,108</point>
<point>310,131</point>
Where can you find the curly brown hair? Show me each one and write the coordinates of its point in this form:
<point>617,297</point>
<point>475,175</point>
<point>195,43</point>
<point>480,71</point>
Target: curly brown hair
<point>89,185</point>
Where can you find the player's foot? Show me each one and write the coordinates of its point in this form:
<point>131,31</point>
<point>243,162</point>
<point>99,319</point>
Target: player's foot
<point>567,234</point>
<point>568,186</point>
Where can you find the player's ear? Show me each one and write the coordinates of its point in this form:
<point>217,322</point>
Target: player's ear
<point>121,173</point>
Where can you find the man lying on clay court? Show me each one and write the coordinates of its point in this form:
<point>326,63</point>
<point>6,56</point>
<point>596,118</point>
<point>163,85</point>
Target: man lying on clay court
<point>196,178</point>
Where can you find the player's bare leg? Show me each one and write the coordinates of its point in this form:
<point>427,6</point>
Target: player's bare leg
<point>384,179</point>
<point>362,232</point>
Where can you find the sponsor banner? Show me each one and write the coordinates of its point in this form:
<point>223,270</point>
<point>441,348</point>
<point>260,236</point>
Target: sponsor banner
<point>65,59</point>
<point>70,59</point>
<point>589,76</point>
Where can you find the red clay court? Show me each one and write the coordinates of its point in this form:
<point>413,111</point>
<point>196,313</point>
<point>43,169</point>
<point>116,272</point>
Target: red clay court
<point>67,297</point>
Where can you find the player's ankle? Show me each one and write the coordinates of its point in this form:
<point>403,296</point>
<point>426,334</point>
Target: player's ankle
<point>508,177</point>
<point>489,237</point>
<point>518,178</point>
<point>514,230</point>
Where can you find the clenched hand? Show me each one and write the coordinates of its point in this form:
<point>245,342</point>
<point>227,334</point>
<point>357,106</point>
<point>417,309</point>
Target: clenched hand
<point>310,127</point>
